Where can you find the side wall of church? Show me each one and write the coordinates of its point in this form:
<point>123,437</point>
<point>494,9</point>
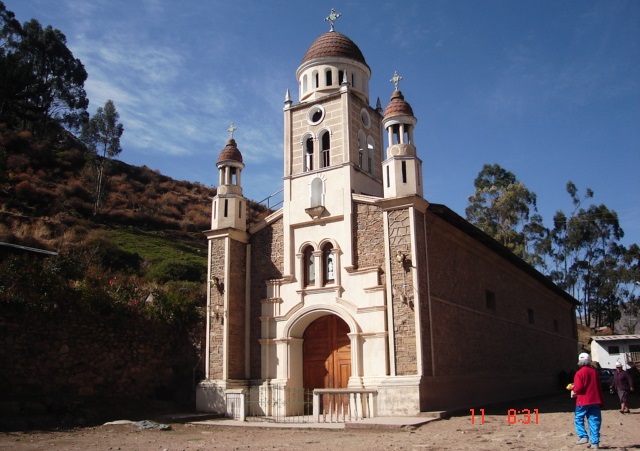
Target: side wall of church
<point>237,308</point>
<point>423,287</point>
<point>216,332</point>
<point>404,323</point>
<point>511,335</point>
<point>267,262</point>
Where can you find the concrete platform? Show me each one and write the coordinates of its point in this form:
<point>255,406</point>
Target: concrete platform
<point>366,423</point>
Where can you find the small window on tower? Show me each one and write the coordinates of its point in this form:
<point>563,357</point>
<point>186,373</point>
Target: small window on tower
<point>315,115</point>
<point>329,77</point>
<point>326,148</point>
<point>308,154</point>
<point>366,119</point>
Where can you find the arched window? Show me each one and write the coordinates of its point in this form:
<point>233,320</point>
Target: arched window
<point>308,154</point>
<point>341,76</point>
<point>370,154</point>
<point>326,147</point>
<point>304,83</point>
<point>309,267</point>
<point>353,79</point>
<point>362,143</point>
<point>328,77</point>
<point>315,78</point>
<point>317,193</point>
<point>328,264</point>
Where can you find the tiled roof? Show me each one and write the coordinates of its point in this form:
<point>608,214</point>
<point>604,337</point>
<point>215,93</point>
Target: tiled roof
<point>398,106</point>
<point>614,337</point>
<point>230,152</point>
<point>334,44</point>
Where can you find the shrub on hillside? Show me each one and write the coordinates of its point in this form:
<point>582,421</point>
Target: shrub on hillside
<point>176,305</point>
<point>166,271</point>
<point>108,255</point>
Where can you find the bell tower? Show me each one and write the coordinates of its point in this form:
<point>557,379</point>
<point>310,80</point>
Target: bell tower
<point>226,352</point>
<point>229,205</point>
<point>402,169</point>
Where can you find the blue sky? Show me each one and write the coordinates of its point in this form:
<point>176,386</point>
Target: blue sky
<point>548,89</point>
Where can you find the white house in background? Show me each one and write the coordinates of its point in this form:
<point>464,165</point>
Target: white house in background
<point>607,350</point>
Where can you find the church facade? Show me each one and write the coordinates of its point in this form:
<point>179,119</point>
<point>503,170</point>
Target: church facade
<point>357,281</point>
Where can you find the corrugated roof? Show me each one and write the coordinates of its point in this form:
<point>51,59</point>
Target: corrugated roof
<point>28,249</point>
<point>614,337</point>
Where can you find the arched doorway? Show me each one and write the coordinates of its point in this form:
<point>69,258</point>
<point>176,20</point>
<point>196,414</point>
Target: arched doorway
<point>326,353</point>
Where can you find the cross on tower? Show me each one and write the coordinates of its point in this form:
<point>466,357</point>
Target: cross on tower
<point>332,17</point>
<point>232,128</point>
<point>395,79</point>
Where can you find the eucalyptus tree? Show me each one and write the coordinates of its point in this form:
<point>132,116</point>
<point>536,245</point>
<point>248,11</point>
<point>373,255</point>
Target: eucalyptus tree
<point>101,134</point>
<point>506,210</point>
<point>588,259</point>
<point>41,79</point>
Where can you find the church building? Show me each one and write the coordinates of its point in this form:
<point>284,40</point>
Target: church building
<point>358,282</point>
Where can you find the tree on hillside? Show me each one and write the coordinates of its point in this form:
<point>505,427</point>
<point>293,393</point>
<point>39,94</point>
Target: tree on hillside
<point>102,135</point>
<point>504,208</point>
<point>630,307</point>
<point>41,79</point>
<point>589,261</point>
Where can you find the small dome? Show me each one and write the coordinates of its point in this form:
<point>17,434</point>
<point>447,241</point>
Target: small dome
<point>230,152</point>
<point>398,106</point>
<point>333,44</point>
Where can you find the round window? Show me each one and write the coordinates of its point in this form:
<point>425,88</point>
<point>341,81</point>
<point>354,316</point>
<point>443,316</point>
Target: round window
<point>366,119</point>
<point>315,115</point>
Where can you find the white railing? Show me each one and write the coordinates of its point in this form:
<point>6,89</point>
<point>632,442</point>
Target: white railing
<point>341,405</point>
<point>288,405</point>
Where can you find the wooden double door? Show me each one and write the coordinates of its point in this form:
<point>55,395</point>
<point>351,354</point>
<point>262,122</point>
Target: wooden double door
<point>326,353</point>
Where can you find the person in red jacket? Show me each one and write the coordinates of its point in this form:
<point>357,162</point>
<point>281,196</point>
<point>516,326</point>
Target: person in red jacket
<point>587,391</point>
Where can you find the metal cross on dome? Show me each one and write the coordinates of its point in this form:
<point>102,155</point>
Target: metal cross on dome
<point>232,128</point>
<point>395,79</point>
<point>332,17</point>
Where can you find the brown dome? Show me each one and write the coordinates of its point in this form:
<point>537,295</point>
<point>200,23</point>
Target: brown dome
<point>333,44</point>
<point>398,106</point>
<point>230,152</point>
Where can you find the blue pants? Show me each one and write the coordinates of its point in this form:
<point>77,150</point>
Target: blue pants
<point>594,418</point>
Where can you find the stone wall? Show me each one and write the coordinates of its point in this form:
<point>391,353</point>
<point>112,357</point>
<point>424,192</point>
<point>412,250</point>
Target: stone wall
<point>404,322</point>
<point>496,340</point>
<point>368,236</point>
<point>237,307</point>
<point>216,333</point>
<point>267,262</point>
<point>52,363</point>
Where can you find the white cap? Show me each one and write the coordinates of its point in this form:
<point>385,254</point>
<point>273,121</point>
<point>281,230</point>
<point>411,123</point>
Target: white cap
<point>584,358</point>
<point>618,365</point>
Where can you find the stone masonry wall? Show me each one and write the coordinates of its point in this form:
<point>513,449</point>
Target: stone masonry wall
<point>216,332</point>
<point>237,308</point>
<point>368,236</point>
<point>497,342</point>
<point>423,289</point>
<point>404,325</point>
<point>51,363</point>
<point>267,262</point>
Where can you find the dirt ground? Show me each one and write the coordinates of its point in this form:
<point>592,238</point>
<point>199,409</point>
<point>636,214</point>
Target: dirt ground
<point>553,430</point>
